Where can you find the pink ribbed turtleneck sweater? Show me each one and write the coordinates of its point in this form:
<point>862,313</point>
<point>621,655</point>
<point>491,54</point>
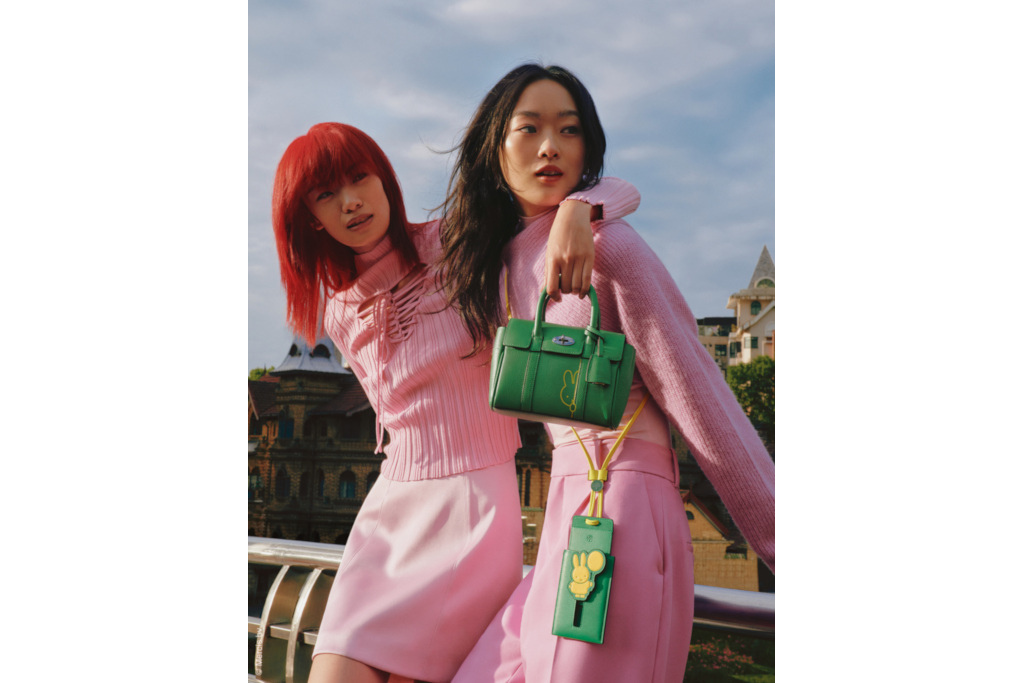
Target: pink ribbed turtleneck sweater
<point>432,403</point>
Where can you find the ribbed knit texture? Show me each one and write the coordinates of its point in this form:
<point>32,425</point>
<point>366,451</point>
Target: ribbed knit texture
<point>406,350</point>
<point>639,298</point>
<point>432,402</point>
<point>618,197</point>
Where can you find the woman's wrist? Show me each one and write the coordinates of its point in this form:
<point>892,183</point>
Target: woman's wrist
<point>577,204</point>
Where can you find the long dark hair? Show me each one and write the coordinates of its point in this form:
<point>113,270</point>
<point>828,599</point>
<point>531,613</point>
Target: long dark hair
<point>313,264</point>
<point>479,214</point>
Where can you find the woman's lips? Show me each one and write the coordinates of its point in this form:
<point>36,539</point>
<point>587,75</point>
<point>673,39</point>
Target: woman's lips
<point>358,221</point>
<point>549,174</point>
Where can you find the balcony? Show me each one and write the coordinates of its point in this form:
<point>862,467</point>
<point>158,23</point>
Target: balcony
<point>283,630</point>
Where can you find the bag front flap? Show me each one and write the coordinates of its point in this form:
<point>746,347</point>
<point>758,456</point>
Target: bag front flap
<point>518,333</point>
<point>561,339</point>
<point>558,339</point>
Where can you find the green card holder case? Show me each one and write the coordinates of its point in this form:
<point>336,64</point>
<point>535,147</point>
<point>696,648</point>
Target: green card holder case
<point>581,602</point>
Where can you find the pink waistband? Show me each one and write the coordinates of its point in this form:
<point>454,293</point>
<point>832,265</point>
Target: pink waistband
<point>633,455</point>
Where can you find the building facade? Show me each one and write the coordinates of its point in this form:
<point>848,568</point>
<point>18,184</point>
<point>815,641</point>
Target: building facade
<point>714,335</point>
<point>754,331</point>
<point>718,560</point>
<point>311,443</point>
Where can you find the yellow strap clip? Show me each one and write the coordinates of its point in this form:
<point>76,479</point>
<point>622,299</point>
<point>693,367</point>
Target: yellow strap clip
<point>597,477</point>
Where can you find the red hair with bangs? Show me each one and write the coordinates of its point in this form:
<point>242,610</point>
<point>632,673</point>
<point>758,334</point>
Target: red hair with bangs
<point>313,264</point>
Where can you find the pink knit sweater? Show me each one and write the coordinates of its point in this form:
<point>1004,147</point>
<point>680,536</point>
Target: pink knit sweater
<point>406,349</point>
<point>639,298</point>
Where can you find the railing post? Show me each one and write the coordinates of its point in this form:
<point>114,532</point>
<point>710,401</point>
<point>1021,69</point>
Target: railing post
<point>309,610</point>
<point>271,653</point>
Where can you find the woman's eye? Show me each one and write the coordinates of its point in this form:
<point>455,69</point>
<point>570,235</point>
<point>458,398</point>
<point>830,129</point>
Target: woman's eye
<point>527,129</point>
<point>571,130</point>
<point>323,195</point>
<point>359,176</point>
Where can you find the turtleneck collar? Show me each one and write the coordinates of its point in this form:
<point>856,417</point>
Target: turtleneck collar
<point>367,259</point>
<point>377,270</point>
<point>527,222</point>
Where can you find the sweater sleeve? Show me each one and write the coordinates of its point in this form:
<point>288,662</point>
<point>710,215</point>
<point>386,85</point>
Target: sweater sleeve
<point>617,197</point>
<point>333,326</point>
<point>639,297</point>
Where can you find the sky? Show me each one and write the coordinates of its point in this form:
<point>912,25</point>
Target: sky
<point>685,92</point>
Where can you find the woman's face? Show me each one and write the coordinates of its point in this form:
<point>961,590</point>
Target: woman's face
<point>542,154</point>
<point>356,212</point>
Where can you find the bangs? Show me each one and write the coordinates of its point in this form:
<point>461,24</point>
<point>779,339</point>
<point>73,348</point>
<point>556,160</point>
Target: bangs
<point>328,154</point>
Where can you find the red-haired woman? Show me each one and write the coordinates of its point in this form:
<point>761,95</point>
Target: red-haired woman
<point>437,545</point>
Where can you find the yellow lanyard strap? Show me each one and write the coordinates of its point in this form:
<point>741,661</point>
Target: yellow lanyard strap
<point>508,306</point>
<point>600,476</point>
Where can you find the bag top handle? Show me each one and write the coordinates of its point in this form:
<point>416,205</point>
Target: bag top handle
<point>595,313</point>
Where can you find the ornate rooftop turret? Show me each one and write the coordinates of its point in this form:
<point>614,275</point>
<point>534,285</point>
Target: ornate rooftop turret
<point>323,357</point>
<point>762,283</point>
<point>764,271</point>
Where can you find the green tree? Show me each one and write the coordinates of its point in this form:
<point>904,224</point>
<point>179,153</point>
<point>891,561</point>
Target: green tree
<point>754,386</point>
<point>256,373</point>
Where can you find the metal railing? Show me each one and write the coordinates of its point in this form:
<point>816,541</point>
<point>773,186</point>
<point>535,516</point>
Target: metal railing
<point>283,636</point>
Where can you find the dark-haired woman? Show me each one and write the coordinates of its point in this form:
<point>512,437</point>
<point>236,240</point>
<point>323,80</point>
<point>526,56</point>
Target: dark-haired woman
<point>437,545</point>
<point>537,136</point>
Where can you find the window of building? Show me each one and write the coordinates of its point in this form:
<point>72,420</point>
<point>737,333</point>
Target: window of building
<point>689,515</point>
<point>736,552</point>
<point>721,350</point>
<point>765,282</point>
<point>750,342</point>
<point>255,483</point>
<point>320,479</point>
<point>282,484</point>
<point>526,488</point>
<point>347,485</point>
<point>755,307</point>
<point>320,351</point>
<point>734,349</point>
<point>348,428</point>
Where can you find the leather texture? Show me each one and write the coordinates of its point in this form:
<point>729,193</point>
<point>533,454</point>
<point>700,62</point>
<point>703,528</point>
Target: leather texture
<point>565,375</point>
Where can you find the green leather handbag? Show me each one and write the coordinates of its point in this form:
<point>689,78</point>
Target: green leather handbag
<point>577,376</point>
